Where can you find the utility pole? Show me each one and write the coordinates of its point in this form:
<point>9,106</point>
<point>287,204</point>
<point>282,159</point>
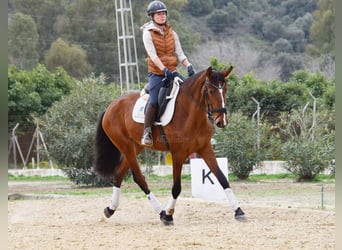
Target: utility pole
<point>14,144</point>
<point>38,136</point>
<point>257,113</point>
<point>127,51</point>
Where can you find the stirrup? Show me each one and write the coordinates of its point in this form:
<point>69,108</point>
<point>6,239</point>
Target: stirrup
<point>147,139</point>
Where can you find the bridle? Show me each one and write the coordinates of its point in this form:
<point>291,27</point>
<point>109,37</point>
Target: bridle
<point>209,111</point>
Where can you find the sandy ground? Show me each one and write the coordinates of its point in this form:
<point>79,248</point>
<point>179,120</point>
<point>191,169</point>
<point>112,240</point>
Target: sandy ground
<point>279,217</point>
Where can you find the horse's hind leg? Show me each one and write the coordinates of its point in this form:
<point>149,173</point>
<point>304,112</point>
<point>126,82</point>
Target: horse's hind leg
<point>120,174</point>
<point>158,208</point>
<point>115,200</point>
<point>114,203</point>
<point>130,161</point>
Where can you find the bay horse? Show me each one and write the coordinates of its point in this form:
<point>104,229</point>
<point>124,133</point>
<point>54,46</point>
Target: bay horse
<point>117,140</point>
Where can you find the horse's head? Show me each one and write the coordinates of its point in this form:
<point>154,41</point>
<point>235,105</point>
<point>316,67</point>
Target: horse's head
<point>215,95</point>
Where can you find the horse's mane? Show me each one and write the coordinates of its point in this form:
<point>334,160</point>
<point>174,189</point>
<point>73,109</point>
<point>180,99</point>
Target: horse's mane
<point>192,79</point>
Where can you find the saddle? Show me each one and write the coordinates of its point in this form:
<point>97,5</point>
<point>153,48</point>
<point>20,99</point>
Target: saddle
<point>166,101</point>
<point>164,96</point>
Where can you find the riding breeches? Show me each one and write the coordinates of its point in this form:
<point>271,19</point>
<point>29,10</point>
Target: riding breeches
<point>154,85</point>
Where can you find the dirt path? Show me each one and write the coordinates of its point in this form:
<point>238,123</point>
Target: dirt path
<point>78,223</point>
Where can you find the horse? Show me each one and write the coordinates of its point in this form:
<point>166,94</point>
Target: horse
<point>200,104</point>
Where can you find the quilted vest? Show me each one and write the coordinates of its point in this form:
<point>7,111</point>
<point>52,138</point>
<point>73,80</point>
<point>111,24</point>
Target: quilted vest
<point>165,48</point>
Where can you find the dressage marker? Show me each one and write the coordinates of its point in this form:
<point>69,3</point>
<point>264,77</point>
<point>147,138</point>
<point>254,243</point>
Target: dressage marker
<point>204,184</point>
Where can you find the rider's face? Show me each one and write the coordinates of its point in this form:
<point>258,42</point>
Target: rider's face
<point>160,17</point>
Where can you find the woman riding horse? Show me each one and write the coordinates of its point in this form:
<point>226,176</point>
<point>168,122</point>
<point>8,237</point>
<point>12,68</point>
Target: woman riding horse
<point>164,51</point>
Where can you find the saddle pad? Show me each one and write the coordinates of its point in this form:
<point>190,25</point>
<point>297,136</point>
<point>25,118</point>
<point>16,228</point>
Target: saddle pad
<point>138,113</point>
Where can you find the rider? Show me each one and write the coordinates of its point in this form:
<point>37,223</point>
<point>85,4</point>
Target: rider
<point>164,52</point>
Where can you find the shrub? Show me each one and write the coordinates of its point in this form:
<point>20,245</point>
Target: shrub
<point>310,147</point>
<point>238,143</point>
<point>69,127</point>
<point>307,158</point>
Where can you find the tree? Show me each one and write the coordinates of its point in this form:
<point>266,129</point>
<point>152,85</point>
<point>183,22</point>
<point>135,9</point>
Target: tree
<point>298,8</point>
<point>91,25</point>
<point>200,7</point>
<point>272,30</point>
<point>322,32</point>
<point>31,93</point>
<point>296,37</point>
<point>219,4</point>
<point>44,13</point>
<point>219,19</point>
<point>304,23</point>
<point>22,41</point>
<point>282,45</point>
<point>315,84</point>
<point>69,56</point>
<point>289,64</point>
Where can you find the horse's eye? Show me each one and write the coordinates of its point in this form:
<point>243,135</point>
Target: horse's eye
<point>211,91</point>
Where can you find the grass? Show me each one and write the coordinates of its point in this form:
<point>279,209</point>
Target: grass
<point>36,178</point>
<point>186,177</point>
<point>159,184</point>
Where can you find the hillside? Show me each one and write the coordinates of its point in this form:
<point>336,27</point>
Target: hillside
<point>267,37</point>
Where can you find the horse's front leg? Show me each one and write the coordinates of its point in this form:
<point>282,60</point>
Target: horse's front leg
<point>209,157</point>
<point>167,216</point>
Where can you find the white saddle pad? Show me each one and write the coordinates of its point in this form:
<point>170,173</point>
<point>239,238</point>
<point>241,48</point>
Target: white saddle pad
<point>139,107</point>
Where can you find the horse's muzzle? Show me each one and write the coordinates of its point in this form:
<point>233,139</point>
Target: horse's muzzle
<point>221,121</point>
<point>220,124</point>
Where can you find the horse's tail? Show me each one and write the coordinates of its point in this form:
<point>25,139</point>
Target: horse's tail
<point>107,156</point>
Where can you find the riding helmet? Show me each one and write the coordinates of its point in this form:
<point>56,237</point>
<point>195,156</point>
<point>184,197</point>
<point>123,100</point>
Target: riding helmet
<point>156,6</point>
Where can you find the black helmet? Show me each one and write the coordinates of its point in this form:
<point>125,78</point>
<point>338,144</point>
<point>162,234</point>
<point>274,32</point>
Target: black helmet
<point>156,6</point>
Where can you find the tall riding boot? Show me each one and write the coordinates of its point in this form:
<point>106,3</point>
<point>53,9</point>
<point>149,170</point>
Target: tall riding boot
<point>150,117</point>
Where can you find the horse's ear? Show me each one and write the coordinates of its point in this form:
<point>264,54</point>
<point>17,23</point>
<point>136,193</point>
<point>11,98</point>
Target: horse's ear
<point>227,72</point>
<point>209,72</point>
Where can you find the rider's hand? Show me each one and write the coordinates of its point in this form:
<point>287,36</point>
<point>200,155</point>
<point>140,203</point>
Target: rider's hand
<point>168,74</point>
<point>190,70</point>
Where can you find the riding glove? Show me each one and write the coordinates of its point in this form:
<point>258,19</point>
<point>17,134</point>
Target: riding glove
<point>190,70</point>
<point>168,74</point>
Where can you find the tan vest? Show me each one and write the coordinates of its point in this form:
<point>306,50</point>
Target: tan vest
<point>165,48</point>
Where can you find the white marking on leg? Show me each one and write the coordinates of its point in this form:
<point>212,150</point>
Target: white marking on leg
<point>223,106</point>
<point>155,203</point>
<point>170,207</point>
<point>115,198</point>
<point>231,198</point>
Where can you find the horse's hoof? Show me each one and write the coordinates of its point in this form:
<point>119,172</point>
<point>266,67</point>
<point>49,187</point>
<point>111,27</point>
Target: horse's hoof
<point>166,219</point>
<point>240,215</point>
<point>108,212</point>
